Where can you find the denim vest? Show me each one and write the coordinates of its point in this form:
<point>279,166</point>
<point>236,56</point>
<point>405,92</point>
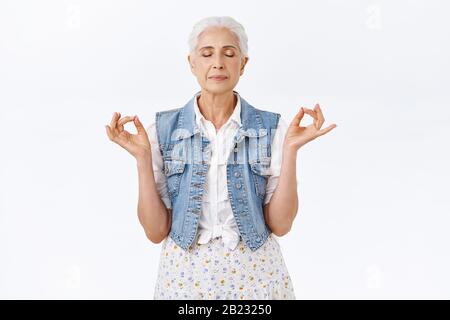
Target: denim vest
<point>186,157</point>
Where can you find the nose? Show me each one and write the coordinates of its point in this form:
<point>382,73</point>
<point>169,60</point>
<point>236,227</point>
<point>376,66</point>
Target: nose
<point>218,64</point>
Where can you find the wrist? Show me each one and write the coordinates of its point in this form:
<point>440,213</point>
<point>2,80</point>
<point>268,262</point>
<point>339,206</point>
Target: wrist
<point>289,150</point>
<point>144,159</point>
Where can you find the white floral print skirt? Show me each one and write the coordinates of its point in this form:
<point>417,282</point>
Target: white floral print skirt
<point>212,271</point>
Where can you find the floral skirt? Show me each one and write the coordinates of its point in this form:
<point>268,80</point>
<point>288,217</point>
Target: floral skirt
<point>212,271</point>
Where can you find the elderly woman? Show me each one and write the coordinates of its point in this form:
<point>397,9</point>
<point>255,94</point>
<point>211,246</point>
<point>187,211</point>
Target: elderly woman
<point>217,178</point>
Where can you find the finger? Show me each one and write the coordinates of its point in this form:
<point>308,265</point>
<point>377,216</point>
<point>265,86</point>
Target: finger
<point>113,123</point>
<point>110,133</point>
<point>122,121</point>
<point>326,130</point>
<point>298,117</point>
<point>319,115</point>
<point>313,114</point>
<point>140,128</point>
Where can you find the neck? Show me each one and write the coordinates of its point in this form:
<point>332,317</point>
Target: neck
<point>216,108</point>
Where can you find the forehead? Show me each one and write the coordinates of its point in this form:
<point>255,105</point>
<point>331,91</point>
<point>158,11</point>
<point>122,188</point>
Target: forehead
<point>217,37</point>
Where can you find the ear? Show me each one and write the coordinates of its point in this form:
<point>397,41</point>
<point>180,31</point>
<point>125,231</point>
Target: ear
<point>244,62</point>
<point>191,61</point>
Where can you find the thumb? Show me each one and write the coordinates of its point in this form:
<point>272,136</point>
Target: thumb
<point>140,128</point>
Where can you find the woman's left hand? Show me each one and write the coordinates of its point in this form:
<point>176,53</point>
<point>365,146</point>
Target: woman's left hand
<point>297,136</point>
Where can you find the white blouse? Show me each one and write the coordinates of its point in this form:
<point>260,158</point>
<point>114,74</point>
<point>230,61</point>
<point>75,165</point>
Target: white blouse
<point>216,218</point>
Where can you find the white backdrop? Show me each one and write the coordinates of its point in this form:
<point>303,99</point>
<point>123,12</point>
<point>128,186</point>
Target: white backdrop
<point>374,197</point>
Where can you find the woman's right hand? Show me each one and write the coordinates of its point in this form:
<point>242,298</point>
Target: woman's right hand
<point>138,145</point>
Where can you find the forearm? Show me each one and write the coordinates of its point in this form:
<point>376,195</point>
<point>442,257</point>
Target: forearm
<point>283,205</point>
<point>153,214</point>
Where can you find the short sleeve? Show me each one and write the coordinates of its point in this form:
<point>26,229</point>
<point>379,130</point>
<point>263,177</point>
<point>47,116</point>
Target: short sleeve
<point>276,158</point>
<point>158,166</point>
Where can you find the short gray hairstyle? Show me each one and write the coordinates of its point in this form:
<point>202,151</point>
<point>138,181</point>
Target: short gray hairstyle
<point>226,22</point>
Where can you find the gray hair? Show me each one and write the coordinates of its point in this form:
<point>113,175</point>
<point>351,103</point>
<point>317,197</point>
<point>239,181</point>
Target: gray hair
<point>226,22</point>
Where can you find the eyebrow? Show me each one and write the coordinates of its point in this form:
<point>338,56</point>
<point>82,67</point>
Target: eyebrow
<point>211,47</point>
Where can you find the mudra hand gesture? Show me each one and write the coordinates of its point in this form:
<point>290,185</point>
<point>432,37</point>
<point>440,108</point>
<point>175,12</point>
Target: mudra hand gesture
<point>138,144</point>
<point>297,136</point>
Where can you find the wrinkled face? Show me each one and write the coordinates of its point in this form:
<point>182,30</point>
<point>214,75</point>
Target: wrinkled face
<point>217,61</point>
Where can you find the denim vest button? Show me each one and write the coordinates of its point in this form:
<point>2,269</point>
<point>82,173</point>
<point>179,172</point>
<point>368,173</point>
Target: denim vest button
<point>237,174</point>
<point>238,185</point>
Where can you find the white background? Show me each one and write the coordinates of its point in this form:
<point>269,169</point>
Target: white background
<point>374,197</point>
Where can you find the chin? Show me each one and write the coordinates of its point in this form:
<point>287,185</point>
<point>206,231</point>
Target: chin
<point>218,88</point>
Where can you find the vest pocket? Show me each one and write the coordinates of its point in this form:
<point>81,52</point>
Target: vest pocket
<point>173,170</point>
<point>260,173</point>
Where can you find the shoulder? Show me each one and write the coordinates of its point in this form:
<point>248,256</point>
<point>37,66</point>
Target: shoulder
<point>266,112</point>
<point>168,111</point>
<point>161,121</point>
<point>161,116</point>
<point>167,116</point>
<point>162,113</point>
<point>268,118</point>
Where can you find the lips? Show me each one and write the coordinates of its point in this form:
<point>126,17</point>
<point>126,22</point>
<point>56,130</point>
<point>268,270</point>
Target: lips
<point>218,77</point>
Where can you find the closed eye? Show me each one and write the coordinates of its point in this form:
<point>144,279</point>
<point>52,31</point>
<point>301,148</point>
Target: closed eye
<point>230,56</point>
